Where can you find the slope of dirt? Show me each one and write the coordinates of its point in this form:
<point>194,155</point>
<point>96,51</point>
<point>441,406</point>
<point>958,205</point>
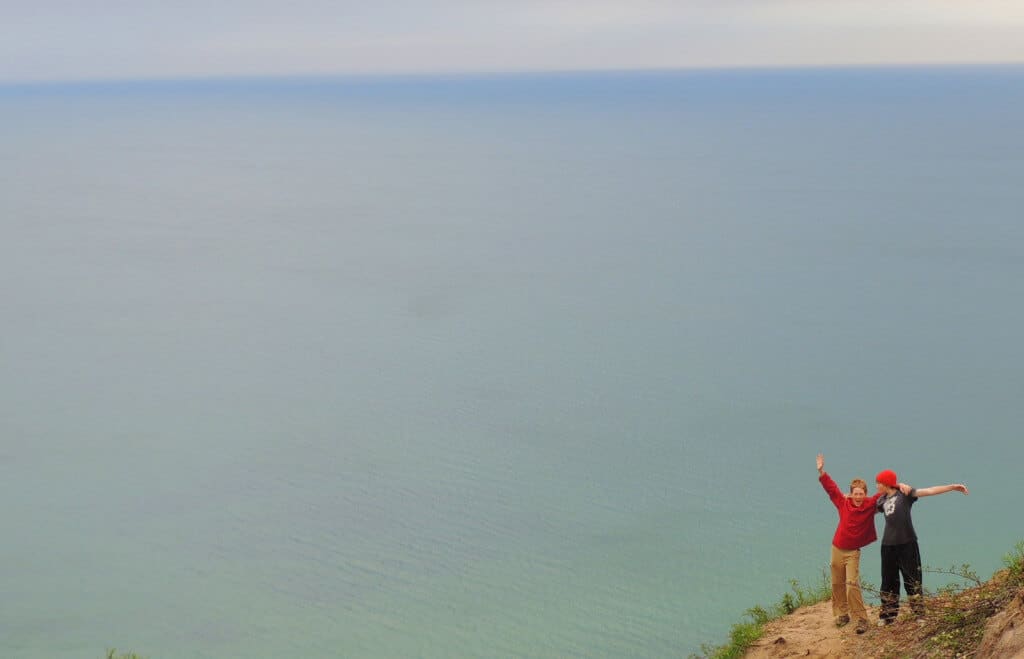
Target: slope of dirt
<point>811,632</point>
<point>1004,634</point>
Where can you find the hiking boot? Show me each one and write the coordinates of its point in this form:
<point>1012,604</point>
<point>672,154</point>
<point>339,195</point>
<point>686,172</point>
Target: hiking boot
<point>862,626</point>
<point>842,621</point>
<point>885,622</point>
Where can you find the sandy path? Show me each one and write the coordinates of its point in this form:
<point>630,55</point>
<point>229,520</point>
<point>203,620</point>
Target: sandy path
<point>811,632</point>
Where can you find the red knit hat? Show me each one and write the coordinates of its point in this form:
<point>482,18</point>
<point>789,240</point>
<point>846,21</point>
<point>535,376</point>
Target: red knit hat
<point>887,477</point>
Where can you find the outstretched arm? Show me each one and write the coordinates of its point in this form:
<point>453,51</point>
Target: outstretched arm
<point>941,489</point>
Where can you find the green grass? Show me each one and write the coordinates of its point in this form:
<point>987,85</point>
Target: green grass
<point>113,654</point>
<point>745,633</point>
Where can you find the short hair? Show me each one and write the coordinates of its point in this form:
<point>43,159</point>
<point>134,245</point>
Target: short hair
<point>856,482</point>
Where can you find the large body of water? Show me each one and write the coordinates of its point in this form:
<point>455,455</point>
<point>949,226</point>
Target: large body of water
<point>524,366</point>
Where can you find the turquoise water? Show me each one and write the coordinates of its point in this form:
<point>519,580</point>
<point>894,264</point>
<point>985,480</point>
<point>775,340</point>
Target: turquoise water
<point>517,366</point>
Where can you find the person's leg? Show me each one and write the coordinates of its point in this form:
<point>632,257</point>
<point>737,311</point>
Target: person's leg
<point>853,594</point>
<point>890,583</point>
<point>910,567</point>
<point>838,565</point>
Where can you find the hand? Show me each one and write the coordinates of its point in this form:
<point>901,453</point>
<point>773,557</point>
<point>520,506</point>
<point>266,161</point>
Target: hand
<point>905,489</point>
<point>960,487</point>
<point>821,462</point>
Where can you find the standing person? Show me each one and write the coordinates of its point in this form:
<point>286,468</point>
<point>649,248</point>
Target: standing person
<point>856,529</point>
<point>900,552</point>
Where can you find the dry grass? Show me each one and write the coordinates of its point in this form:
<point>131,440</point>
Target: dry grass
<point>954,619</point>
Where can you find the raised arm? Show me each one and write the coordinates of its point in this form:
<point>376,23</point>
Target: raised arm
<point>830,486</point>
<point>941,489</point>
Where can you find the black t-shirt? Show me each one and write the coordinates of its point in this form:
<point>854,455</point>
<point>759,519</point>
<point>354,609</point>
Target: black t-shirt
<point>899,528</point>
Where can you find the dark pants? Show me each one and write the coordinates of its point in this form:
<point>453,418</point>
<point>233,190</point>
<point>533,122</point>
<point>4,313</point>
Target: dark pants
<point>896,560</point>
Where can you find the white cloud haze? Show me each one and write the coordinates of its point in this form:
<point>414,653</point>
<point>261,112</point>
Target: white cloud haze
<point>64,40</point>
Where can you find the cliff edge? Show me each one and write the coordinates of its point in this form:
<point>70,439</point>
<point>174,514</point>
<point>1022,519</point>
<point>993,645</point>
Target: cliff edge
<point>986,620</point>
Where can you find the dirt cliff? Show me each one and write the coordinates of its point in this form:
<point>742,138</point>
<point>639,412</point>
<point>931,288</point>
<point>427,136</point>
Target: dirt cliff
<point>986,621</point>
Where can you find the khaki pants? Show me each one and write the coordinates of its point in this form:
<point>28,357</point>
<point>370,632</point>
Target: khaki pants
<point>846,597</point>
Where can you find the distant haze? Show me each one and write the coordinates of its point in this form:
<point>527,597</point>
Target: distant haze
<point>115,39</point>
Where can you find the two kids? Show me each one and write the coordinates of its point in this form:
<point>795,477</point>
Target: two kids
<point>856,529</point>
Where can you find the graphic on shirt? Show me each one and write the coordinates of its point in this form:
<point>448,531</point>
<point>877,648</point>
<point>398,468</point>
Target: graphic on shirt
<point>890,506</point>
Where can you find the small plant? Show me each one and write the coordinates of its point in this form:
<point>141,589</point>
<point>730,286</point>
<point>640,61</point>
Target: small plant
<point>788,603</point>
<point>963,571</point>
<point>113,654</point>
<point>814,593</point>
<point>1014,561</point>
<point>760,615</point>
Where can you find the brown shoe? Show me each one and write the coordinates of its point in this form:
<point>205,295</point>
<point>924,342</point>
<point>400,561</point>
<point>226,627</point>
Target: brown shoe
<point>862,626</point>
<point>842,621</point>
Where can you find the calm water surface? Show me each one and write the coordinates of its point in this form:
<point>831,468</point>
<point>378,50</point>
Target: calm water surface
<point>515,366</point>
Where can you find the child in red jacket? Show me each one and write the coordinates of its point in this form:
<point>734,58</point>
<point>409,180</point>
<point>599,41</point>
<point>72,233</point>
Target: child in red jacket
<point>856,529</point>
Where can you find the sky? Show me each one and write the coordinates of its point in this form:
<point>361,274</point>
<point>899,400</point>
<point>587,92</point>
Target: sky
<point>49,40</point>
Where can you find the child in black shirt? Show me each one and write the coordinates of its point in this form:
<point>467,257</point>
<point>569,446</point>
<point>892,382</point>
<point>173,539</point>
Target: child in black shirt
<point>900,553</point>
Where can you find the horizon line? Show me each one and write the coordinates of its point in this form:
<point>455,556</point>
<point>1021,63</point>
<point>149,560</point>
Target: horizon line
<point>485,74</point>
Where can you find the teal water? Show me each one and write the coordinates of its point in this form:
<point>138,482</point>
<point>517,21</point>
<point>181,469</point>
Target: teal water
<point>525,366</point>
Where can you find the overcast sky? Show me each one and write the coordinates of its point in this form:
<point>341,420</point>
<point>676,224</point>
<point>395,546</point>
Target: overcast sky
<point>89,39</point>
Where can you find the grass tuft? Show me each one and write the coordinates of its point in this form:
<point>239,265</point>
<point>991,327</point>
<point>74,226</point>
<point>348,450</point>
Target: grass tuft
<point>112,654</point>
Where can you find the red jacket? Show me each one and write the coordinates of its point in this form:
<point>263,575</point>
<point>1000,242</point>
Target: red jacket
<point>856,523</point>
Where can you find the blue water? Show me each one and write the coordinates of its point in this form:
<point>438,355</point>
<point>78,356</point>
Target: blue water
<point>529,366</point>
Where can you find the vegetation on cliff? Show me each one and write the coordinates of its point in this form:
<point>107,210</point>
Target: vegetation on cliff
<point>744,633</point>
<point>967,618</point>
